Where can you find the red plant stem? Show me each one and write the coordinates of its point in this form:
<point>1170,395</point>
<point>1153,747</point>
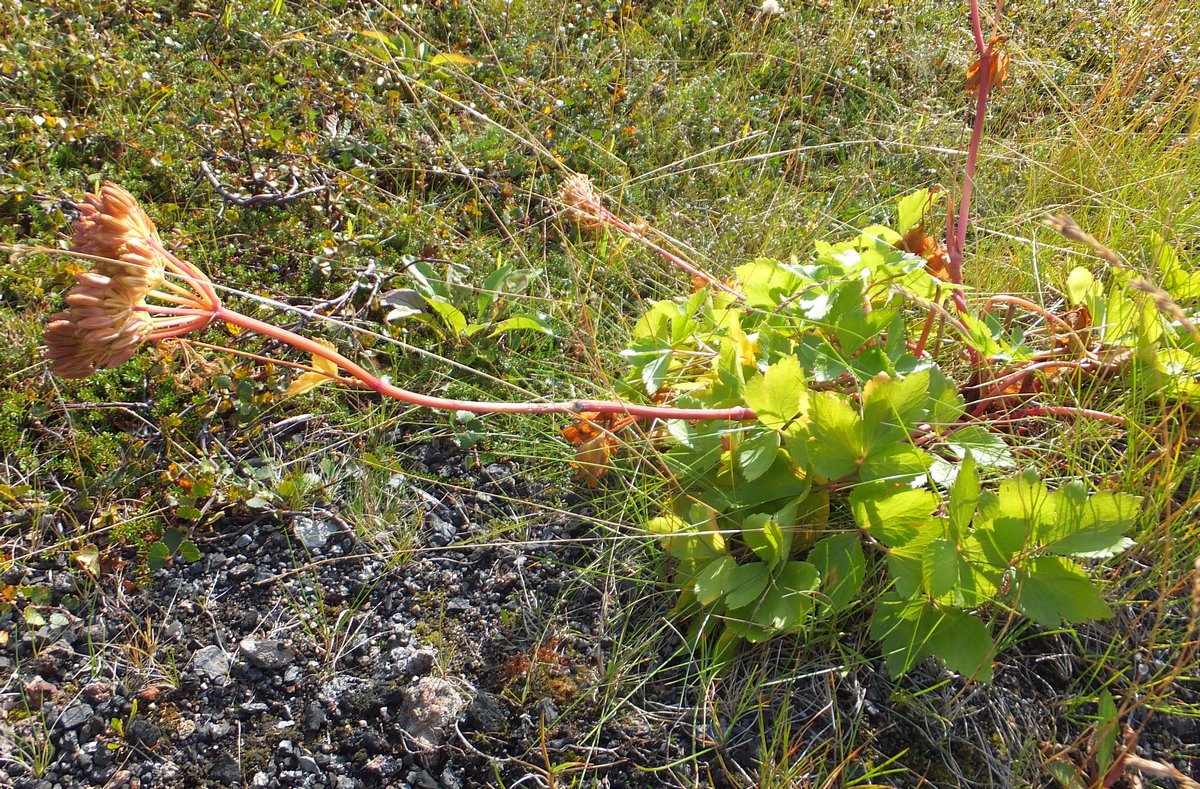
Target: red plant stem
<point>572,407</point>
<point>1066,410</point>
<point>1050,317</point>
<point>998,386</point>
<point>956,243</point>
<point>919,348</point>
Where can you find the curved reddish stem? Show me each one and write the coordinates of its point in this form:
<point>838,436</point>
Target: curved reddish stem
<point>473,406</point>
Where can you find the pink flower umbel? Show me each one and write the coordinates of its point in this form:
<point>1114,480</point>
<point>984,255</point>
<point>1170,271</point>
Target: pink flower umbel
<point>108,316</point>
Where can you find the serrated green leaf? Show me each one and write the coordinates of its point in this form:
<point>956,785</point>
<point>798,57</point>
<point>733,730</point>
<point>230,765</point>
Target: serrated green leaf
<point>189,551</point>
<point>842,567</point>
<point>892,406</point>
<point>189,513</point>
<point>1090,526</point>
<point>713,581</point>
<point>787,605</point>
<point>905,628</point>
<point>766,284</point>
<point>940,566</point>
<point>1053,590</point>
<point>964,497</point>
<point>746,584</point>
<point>891,517</point>
<point>989,449</point>
<point>837,446</point>
<point>910,208</point>
<point>964,644</point>
<point>779,395</point>
<point>762,535</point>
<point>156,556</point>
<point>172,538</point>
<point>33,617</point>
<point>897,463</point>
<point>756,454</point>
<point>1022,506</point>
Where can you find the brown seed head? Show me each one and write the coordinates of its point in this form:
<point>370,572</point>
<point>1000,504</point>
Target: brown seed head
<point>581,202</point>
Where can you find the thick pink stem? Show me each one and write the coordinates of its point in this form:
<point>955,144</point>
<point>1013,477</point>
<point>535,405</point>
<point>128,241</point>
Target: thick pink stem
<point>473,406</point>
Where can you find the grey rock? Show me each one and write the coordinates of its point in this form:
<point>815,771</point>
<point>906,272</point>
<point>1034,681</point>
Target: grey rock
<point>313,534</point>
<point>242,572</point>
<point>225,771</point>
<point>211,662</point>
<point>267,653</point>
<point>308,764</point>
<point>260,779</point>
<point>430,705</point>
<point>53,659</point>
<point>142,732</point>
<point>314,716</point>
<point>75,715</point>
<point>486,713</point>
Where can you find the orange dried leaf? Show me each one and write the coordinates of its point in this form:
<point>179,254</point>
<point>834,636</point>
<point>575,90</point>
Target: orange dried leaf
<point>937,259</point>
<point>999,68</point>
<point>592,458</point>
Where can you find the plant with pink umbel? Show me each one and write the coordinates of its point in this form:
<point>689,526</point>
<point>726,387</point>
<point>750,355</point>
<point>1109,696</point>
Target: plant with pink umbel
<point>139,291</point>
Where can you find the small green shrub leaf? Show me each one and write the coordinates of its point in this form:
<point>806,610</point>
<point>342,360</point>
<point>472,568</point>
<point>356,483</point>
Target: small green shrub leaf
<point>763,535</point>
<point>756,454</point>
<point>1089,526</point>
<point>837,447</point>
<point>189,551</point>
<point>156,556</point>
<point>964,497</point>
<point>910,209</point>
<point>891,517</point>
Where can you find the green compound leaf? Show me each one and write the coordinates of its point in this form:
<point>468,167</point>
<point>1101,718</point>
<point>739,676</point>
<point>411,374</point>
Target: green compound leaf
<point>942,568</point>
<point>989,449</point>
<point>756,454</point>
<point>891,517</point>
<point>837,446</point>
<point>1091,527</point>
<point>189,551</point>
<point>769,542</point>
<point>905,628</point>
<point>840,563</point>
<point>746,583</point>
<point>898,463</point>
<point>779,395</point>
<point>964,644</point>
<point>1053,590</point>
<point>892,406</point>
<point>157,555</point>
<point>790,600</point>
<point>911,208</point>
<point>964,497</point>
<point>713,581</point>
